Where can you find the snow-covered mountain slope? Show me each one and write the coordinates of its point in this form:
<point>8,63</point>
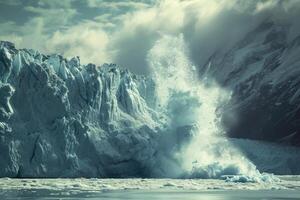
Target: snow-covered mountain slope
<point>263,73</point>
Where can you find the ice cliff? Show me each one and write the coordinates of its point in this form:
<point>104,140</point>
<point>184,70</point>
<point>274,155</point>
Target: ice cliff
<point>60,118</point>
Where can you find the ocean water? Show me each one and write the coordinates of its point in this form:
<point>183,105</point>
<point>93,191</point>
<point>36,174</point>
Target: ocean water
<point>154,194</point>
<point>208,189</point>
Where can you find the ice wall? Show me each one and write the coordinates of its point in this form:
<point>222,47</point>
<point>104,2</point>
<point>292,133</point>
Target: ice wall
<point>60,118</point>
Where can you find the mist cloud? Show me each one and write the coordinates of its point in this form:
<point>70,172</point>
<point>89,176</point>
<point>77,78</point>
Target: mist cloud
<point>207,26</point>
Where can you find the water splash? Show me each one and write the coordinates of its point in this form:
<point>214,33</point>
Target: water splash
<point>186,100</point>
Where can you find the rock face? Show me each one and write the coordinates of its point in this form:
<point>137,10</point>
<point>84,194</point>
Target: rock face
<point>263,73</point>
<point>59,118</point>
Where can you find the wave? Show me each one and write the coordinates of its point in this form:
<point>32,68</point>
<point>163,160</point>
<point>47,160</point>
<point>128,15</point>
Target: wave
<point>187,100</point>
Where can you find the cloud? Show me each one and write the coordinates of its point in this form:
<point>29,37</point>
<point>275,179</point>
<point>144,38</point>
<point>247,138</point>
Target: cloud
<point>11,2</point>
<point>46,16</point>
<point>55,3</point>
<point>86,40</point>
<point>117,5</point>
<point>55,18</point>
<point>265,5</point>
<point>207,26</point>
<point>34,33</point>
<point>139,32</point>
<point>124,31</point>
<point>30,35</point>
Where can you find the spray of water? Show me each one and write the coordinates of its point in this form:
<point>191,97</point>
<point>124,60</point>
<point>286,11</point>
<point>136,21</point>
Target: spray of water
<point>187,100</point>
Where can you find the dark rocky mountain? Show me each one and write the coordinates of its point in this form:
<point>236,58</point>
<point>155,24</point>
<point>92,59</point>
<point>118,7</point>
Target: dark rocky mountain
<point>263,73</point>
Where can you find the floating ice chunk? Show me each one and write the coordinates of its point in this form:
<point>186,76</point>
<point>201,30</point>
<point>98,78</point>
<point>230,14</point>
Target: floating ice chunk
<point>259,178</point>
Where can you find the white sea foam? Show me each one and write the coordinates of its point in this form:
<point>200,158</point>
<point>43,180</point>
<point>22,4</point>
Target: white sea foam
<point>97,185</point>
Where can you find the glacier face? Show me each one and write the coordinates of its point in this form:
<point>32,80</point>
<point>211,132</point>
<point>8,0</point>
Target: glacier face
<point>262,71</point>
<point>59,118</point>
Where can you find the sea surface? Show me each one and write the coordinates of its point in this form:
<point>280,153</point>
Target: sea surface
<point>147,189</point>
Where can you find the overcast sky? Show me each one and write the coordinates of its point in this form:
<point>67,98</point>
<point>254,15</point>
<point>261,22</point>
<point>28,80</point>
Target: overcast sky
<point>122,31</point>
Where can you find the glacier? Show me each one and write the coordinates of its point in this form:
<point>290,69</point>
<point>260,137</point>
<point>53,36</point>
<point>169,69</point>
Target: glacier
<point>60,118</point>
